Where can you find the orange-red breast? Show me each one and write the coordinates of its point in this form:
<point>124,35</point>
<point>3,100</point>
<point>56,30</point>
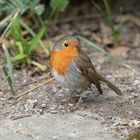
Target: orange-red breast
<point>73,68</point>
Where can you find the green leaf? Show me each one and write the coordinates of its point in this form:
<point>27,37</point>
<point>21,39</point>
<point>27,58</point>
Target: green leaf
<point>16,31</point>
<point>59,5</point>
<point>8,6</point>
<point>19,47</point>
<point>35,40</point>
<point>13,5</point>
<point>39,9</point>
<point>19,57</point>
<point>42,67</point>
<point>2,1</point>
<point>25,25</point>
<point>8,69</point>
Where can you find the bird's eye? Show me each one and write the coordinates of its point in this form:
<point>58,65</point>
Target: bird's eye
<point>66,44</point>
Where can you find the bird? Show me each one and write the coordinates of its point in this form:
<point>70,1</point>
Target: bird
<point>72,67</point>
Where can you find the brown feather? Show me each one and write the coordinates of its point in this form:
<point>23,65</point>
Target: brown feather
<point>86,67</point>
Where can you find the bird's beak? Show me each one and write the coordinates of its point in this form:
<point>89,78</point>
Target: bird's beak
<point>73,43</point>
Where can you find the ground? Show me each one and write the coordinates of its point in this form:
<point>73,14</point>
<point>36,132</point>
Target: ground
<point>43,113</point>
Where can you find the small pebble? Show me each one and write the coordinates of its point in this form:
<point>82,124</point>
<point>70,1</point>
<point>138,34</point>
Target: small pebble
<point>53,111</point>
<point>133,101</point>
<point>137,82</point>
<point>106,129</point>
<point>71,105</point>
<point>30,104</point>
<point>52,108</point>
<point>54,90</point>
<point>55,137</point>
<point>83,114</point>
<point>43,105</point>
<point>116,124</point>
<point>134,94</point>
<point>130,112</point>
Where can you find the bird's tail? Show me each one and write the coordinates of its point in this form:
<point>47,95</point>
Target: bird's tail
<point>110,85</point>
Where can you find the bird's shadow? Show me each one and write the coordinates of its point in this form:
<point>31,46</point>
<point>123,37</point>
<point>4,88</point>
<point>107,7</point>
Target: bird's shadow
<point>90,97</point>
<point>94,97</point>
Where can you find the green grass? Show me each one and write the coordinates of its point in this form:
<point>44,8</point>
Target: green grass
<point>8,69</point>
<point>24,47</point>
<point>14,25</point>
<point>105,11</point>
<point>57,6</point>
<point>21,46</point>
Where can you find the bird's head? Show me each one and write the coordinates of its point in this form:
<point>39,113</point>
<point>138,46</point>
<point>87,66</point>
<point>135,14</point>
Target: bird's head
<point>66,43</point>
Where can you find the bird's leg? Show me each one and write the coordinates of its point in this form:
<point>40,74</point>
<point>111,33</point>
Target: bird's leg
<point>79,100</point>
<point>72,92</point>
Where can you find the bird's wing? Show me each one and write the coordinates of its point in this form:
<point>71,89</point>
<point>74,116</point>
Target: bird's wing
<point>84,65</point>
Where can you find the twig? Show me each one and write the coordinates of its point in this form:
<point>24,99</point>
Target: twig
<point>21,116</point>
<point>35,87</point>
<point>33,82</point>
<point>7,28</point>
<point>130,18</point>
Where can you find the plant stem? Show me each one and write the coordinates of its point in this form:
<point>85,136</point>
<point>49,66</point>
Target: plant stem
<point>108,14</point>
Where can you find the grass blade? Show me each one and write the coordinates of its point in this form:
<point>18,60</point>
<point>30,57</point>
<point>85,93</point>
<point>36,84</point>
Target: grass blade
<point>35,40</point>
<point>93,45</point>
<point>8,69</point>
<point>24,25</point>
<point>57,5</point>
<point>16,30</point>
<point>42,67</point>
<point>18,57</point>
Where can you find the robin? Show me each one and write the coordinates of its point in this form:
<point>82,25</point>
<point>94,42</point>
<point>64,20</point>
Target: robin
<point>72,67</point>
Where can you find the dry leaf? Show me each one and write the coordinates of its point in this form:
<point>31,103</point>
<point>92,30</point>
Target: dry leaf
<point>118,51</point>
